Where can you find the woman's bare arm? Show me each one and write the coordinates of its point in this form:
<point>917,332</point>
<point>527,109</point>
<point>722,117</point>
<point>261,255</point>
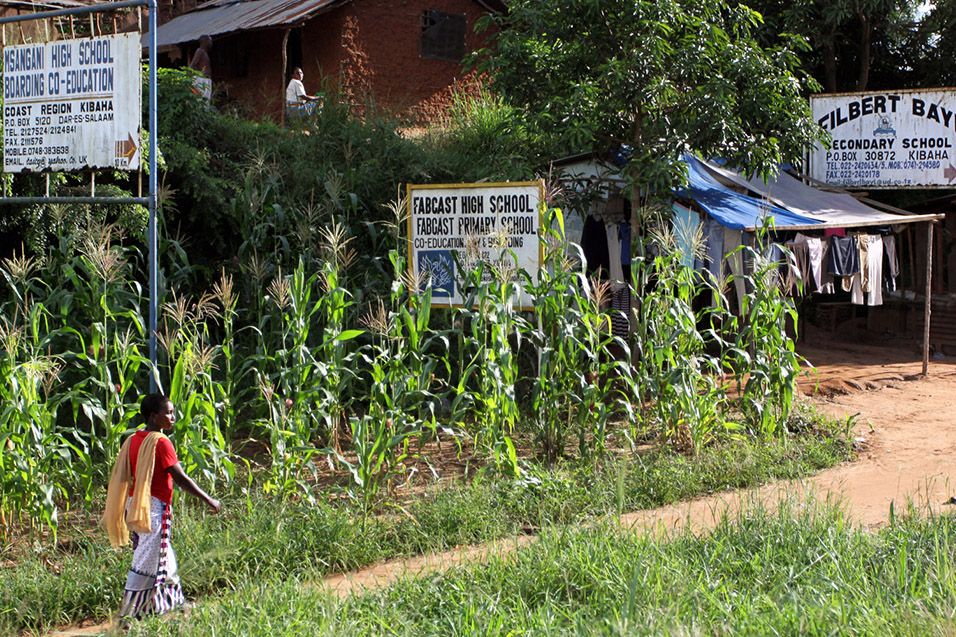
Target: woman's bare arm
<point>189,486</point>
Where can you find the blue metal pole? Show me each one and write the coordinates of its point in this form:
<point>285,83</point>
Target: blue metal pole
<point>153,187</point>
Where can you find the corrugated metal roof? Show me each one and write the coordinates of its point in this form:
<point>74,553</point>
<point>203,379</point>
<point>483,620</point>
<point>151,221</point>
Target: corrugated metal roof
<point>227,16</point>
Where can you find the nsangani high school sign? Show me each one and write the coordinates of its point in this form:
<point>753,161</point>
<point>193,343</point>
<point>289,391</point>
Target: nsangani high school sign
<point>72,104</point>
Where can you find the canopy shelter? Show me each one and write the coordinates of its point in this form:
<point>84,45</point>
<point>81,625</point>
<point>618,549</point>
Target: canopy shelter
<point>731,208</point>
<point>796,206</point>
<point>744,203</point>
<point>793,204</point>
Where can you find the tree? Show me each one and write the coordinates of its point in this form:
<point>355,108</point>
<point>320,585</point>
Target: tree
<point>664,77</point>
<point>845,35</point>
<point>937,44</point>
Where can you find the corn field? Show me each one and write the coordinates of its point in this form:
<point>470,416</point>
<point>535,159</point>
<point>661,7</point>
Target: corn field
<point>309,364</point>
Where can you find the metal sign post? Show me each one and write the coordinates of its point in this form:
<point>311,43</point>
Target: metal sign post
<point>153,182</point>
<point>149,201</point>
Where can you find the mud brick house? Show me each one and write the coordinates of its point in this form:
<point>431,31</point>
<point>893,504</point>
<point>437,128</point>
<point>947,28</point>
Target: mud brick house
<point>405,55</point>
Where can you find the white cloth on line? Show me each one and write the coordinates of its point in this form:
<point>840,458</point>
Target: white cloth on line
<point>870,279</point>
<point>614,253</point>
<point>733,239</point>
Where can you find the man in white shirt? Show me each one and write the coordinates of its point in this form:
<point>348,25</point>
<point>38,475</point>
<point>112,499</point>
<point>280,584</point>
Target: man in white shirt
<point>297,101</point>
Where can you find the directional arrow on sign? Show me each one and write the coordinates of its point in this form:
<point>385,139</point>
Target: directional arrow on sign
<point>126,148</point>
<point>949,172</point>
<point>130,147</point>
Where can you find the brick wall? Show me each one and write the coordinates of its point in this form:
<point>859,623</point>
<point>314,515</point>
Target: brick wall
<point>247,72</point>
<point>378,54</point>
<point>369,48</point>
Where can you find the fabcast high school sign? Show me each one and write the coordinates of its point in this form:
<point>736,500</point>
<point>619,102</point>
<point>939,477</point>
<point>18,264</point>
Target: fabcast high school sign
<point>453,226</point>
<point>893,139</point>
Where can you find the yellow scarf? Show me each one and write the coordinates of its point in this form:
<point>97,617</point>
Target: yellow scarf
<point>136,519</point>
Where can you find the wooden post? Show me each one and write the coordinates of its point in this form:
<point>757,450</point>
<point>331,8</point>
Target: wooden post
<point>940,264</point>
<point>928,309</point>
<point>911,242</point>
<point>285,61</point>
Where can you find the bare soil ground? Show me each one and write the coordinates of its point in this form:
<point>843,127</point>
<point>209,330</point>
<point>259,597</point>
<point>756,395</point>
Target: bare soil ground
<point>905,432</point>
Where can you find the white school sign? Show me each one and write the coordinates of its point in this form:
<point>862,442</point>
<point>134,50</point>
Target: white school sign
<point>72,104</point>
<point>452,225</point>
<point>892,139</point>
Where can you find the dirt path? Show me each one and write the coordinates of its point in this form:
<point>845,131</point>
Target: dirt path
<point>906,426</point>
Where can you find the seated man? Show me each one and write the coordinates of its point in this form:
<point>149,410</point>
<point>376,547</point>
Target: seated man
<point>297,101</point>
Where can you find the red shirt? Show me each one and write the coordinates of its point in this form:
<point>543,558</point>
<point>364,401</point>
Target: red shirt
<point>162,486</point>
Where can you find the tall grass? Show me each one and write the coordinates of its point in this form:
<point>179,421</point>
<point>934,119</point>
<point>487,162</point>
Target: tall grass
<point>572,389</point>
<point>305,377</point>
<point>676,381</point>
<point>263,538</point>
<point>766,354</point>
<point>801,569</point>
<point>494,328</point>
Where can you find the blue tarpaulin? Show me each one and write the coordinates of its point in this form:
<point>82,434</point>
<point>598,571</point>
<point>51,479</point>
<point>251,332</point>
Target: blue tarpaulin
<point>733,209</point>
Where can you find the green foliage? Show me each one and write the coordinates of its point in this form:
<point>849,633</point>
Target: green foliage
<point>848,39</point>
<point>489,318</point>
<point>278,366</point>
<point>484,136</point>
<point>83,579</point>
<point>664,77</point>
<point>675,384</point>
<point>575,375</point>
<point>401,360</point>
<point>73,368</point>
<point>309,381</point>
<point>934,41</point>
<point>799,569</point>
<point>36,463</point>
<point>802,567</point>
<point>765,354</point>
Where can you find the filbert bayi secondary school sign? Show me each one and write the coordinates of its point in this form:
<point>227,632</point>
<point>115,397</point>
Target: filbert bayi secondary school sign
<point>896,139</point>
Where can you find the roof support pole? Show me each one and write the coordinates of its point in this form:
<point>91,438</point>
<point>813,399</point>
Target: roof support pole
<point>285,62</point>
<point>928,306</point>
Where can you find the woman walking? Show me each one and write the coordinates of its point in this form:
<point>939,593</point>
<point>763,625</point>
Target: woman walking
<point>139,499</point>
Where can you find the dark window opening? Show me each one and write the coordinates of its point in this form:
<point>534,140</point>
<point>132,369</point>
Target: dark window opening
<point>233,55</point>
<point>443,35</point>
<point>293,51</point>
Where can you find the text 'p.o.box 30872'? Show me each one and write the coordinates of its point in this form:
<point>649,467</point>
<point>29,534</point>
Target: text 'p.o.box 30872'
<point>489,227</point>
<point>72,104</point>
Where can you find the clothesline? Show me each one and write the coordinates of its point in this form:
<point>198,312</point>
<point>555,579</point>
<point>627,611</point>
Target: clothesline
<point>864,264</point>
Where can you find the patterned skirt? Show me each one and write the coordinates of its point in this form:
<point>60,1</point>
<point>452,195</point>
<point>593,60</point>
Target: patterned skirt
<point>152,585</point>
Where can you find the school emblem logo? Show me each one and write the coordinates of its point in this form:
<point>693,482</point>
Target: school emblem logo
<point>884,129</point>
<point>438,268</point>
